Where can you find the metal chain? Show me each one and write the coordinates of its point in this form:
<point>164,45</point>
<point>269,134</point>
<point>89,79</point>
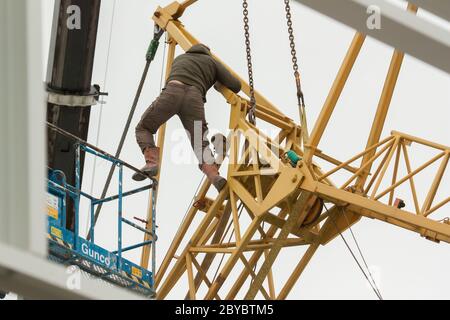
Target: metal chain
<point>251,113</point>
<point>300,97</point>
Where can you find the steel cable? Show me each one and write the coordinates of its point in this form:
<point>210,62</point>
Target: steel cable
<point>378,294</point>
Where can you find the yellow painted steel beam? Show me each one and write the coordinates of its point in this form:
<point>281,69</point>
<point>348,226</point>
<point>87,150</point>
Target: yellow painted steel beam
<point>270,280</point>
<point>415,172</point>
<point>203,275</point>
<point>333,96</point>
<point>305,233</point>
<point>340,219</point>
<point>385,166</point>
<point>180,235</point>
<point>219,233</point>
<point>334,161</point>
<point>295,275</point>
<point>411,180</point>
<point>231,261</point>
<point>145,255</point>
<point>423,228</point>
<point>251,246</point>
<point>389,147</point>
<point>263,242</point>
<point>421,141</point>
<point>180,264</point>
<point>346,163</point>
<point>378,210</point>
<point>165,19</point>
<point>192,290</point>
<point>253,275</point>
<point>438,206</point>
<point>185,4</point>
<point>252,262</point>
<point>298,214</point>
<point>383,107</point>
<point>395,173</point>
<point>176,9</point>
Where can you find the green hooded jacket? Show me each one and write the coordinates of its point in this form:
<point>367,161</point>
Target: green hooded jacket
<point>198,68</point>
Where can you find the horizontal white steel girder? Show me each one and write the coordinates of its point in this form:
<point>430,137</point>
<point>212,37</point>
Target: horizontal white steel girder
<point>400,29</point>
<point>33,277</point>
<point>440,8</point>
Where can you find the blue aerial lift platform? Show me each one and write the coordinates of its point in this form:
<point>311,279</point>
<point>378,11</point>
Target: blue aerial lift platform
<point>71,95</point>
<point>70,248</point>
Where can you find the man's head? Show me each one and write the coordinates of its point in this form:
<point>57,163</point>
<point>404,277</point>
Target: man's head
<point>200,48</point>
<point>205,46</point>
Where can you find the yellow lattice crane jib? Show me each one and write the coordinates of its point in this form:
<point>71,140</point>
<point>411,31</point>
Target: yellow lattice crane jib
<point>272,202</point>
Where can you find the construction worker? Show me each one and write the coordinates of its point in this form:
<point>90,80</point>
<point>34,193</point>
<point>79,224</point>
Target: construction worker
<point>193,74</point>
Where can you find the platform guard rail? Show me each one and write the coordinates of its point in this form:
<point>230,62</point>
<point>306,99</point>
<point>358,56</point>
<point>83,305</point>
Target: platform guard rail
<point>70,248</point>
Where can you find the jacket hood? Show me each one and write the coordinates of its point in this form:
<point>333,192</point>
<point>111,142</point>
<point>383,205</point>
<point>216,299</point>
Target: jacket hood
<point>199,48</point>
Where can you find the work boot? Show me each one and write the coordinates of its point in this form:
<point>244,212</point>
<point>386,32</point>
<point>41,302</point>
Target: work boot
<point>151,168</point>
<point>211,171</point>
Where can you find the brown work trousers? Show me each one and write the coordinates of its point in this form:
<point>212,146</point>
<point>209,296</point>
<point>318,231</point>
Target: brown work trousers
<point>187,103</point>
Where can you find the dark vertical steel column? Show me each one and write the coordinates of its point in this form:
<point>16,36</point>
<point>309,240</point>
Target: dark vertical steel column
<point>70,67</point>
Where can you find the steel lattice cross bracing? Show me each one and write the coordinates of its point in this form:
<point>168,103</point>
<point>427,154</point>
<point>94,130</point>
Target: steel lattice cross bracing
<point>278,191</point>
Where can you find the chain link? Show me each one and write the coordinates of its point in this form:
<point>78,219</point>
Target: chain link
<point>251,113</point>
<point>300,97</point>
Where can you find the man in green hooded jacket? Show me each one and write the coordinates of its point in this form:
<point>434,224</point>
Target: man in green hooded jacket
<point>192,75</point>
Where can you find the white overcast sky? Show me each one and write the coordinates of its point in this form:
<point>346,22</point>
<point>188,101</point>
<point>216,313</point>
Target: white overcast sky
<point>406,266</point>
